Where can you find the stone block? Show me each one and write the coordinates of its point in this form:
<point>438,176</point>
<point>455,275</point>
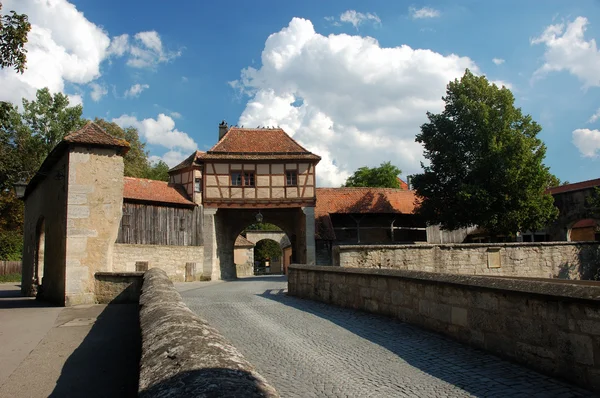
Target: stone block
<point>576,347</point>
<point>78,211</point>
<point>589,326</point>
<point>460,316</point>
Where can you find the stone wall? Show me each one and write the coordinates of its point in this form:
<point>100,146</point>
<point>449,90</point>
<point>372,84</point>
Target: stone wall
<point>183,356</point>
<point>118,287</point>
<point>565,260</point>
<point>94,209</point>
<point>172,259</point>
<point>552,326</point>
<point>244,261</point>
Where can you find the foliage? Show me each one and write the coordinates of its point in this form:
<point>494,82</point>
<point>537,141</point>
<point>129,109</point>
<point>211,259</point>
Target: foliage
<point>11,245</point>
<point>554,181</point>
<point>384,176</point>
<point>13,36</point>
<point>592,202</point>
<point>485,162</point>
<point>10,278</point>
<point>157,171</point>
<point>266,249</point>
<point>263,226</point>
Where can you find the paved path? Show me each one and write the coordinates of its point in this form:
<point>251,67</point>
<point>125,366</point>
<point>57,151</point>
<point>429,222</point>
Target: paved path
<point>308,349</point>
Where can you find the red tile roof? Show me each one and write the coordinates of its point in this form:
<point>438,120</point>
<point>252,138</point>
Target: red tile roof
<point>191,160</point>
<point>240,241</point>
<point>403,185</point>
<point>359,200</point>
<point>91,133</point>
<point>575,186</point>
<point>155,191</point>
<point>588,222</point>
<point>259,143</point>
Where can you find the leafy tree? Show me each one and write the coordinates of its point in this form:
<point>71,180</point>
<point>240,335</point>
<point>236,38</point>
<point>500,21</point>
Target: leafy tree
<point>384,176</point>
<point>266,250</point>
<point>263,226</point>
<point>485,162</point>
<point>554,181</point>
<point>157,171</point>
<point>13,36</point>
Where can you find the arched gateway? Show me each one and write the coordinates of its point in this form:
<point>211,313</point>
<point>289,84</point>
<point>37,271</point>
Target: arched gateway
<point>251,175</point>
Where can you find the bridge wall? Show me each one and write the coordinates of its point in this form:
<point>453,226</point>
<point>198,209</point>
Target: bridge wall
<point>552,326</point>
<point>564,260</point>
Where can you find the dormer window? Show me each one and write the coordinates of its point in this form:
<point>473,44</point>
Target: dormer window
<point>291,178</point>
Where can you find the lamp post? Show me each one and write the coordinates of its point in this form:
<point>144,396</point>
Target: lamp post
<point>259,217</point>
<point>20,187</point>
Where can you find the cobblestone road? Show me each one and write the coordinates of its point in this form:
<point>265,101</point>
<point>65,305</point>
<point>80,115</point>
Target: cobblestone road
<point>308,349</point>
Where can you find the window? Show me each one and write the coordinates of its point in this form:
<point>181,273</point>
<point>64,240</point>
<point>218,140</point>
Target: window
<point>236,178</point>
<point>291,178</point>
<point>249,179</point>
<point>197,184</point>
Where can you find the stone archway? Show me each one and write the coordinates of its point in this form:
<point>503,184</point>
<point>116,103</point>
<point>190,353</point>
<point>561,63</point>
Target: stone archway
<point>38,261</point>
<point>223,225</point>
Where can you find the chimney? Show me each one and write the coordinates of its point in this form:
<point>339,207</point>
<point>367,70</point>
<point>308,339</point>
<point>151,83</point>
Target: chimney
<point>223,128</point>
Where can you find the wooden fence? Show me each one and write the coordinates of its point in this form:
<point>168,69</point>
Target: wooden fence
<point>10,267</point>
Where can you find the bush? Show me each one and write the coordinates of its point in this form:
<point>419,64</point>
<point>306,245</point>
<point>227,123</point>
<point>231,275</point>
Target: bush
<point>11,246</point>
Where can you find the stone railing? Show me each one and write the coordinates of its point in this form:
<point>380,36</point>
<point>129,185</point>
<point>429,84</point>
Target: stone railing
<point>118,287</point>
<point>564,260</point>
<point>182,355</point>
<point>552,326</point>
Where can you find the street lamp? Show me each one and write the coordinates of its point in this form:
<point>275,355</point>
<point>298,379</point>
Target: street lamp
<point>259,217</point>
<point>20,187</point>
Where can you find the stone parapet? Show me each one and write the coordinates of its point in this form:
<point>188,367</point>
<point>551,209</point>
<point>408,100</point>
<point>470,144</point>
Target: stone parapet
<point>118,287</point>
<point>552,326</point>
<point>182,355</point>
<point>565,260</point>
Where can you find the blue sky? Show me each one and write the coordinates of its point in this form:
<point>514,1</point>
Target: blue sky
<point>350,80</point>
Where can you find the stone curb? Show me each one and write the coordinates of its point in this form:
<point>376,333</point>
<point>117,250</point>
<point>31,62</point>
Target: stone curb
<point>184,356</point>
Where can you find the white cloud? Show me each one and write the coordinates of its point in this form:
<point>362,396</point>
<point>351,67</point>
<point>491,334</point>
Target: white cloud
<point>567,49</point>
<point>501,83</point>
<point>98,91</point>
<point>144,51</point>
<point>75,99</point>
<point>425,12</point>
<point>498,61</point>
<point>135,90</point>
<point>160,131</point>
<point>595,116</point>
<point>172,158</point>
<point>65,47</point>
<point>587,141</point>
<point>175,115</point>
<point>358,18</point>
<point>346,98</point>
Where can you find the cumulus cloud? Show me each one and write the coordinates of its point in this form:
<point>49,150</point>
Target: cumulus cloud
<point>346,98</point>
<point>587,141</point>
<point>358,18</point>
<point>425,12</point>
<point>595,116</point>
<point>135,90</point>
<point>172,158</point>
<point>98,91</point>
<point>145,50</point>
<point>567,49</point>
<point>65,47</point>
<point>160,131</point>
<point>498,61</point>
<point>175,115</point>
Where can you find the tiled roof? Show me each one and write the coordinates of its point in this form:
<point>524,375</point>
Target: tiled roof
<point>403,185</point>
<point>240,241</point>
<point>259,143</point>
<point>588,222</point>
<point>575,186</point>
<point>91,133</point>
<point>155,191</point>
<point>358,200</point>
<point>191,160</point>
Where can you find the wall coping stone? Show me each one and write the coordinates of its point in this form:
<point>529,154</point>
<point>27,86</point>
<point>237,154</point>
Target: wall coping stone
<point>123,274</point>
<point>464,245</point>
<point>184,356</point>
<point>557,288</point>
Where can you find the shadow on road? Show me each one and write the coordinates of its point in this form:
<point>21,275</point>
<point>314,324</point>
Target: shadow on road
<point>10,297</point>
<point>106,363</point>
<point>470,369</point>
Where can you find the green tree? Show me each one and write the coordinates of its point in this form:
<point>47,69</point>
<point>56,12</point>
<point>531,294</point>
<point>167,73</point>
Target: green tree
<point>13,36</point>
<point>485,162</point>
<point>157,171</point>
<point>384,176</point>
<point>263,226</point>
<point>266,250</point>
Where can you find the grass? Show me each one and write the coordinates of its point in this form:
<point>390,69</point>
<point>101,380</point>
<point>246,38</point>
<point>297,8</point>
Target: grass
<point>10,278</point>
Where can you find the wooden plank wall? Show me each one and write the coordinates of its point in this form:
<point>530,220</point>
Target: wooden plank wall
<point>10,267</point>
<point>160,225</point>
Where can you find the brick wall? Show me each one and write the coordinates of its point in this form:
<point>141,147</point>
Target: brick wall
<point>565,260</point>
<point>172,259</point>
<point>552,326</point>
